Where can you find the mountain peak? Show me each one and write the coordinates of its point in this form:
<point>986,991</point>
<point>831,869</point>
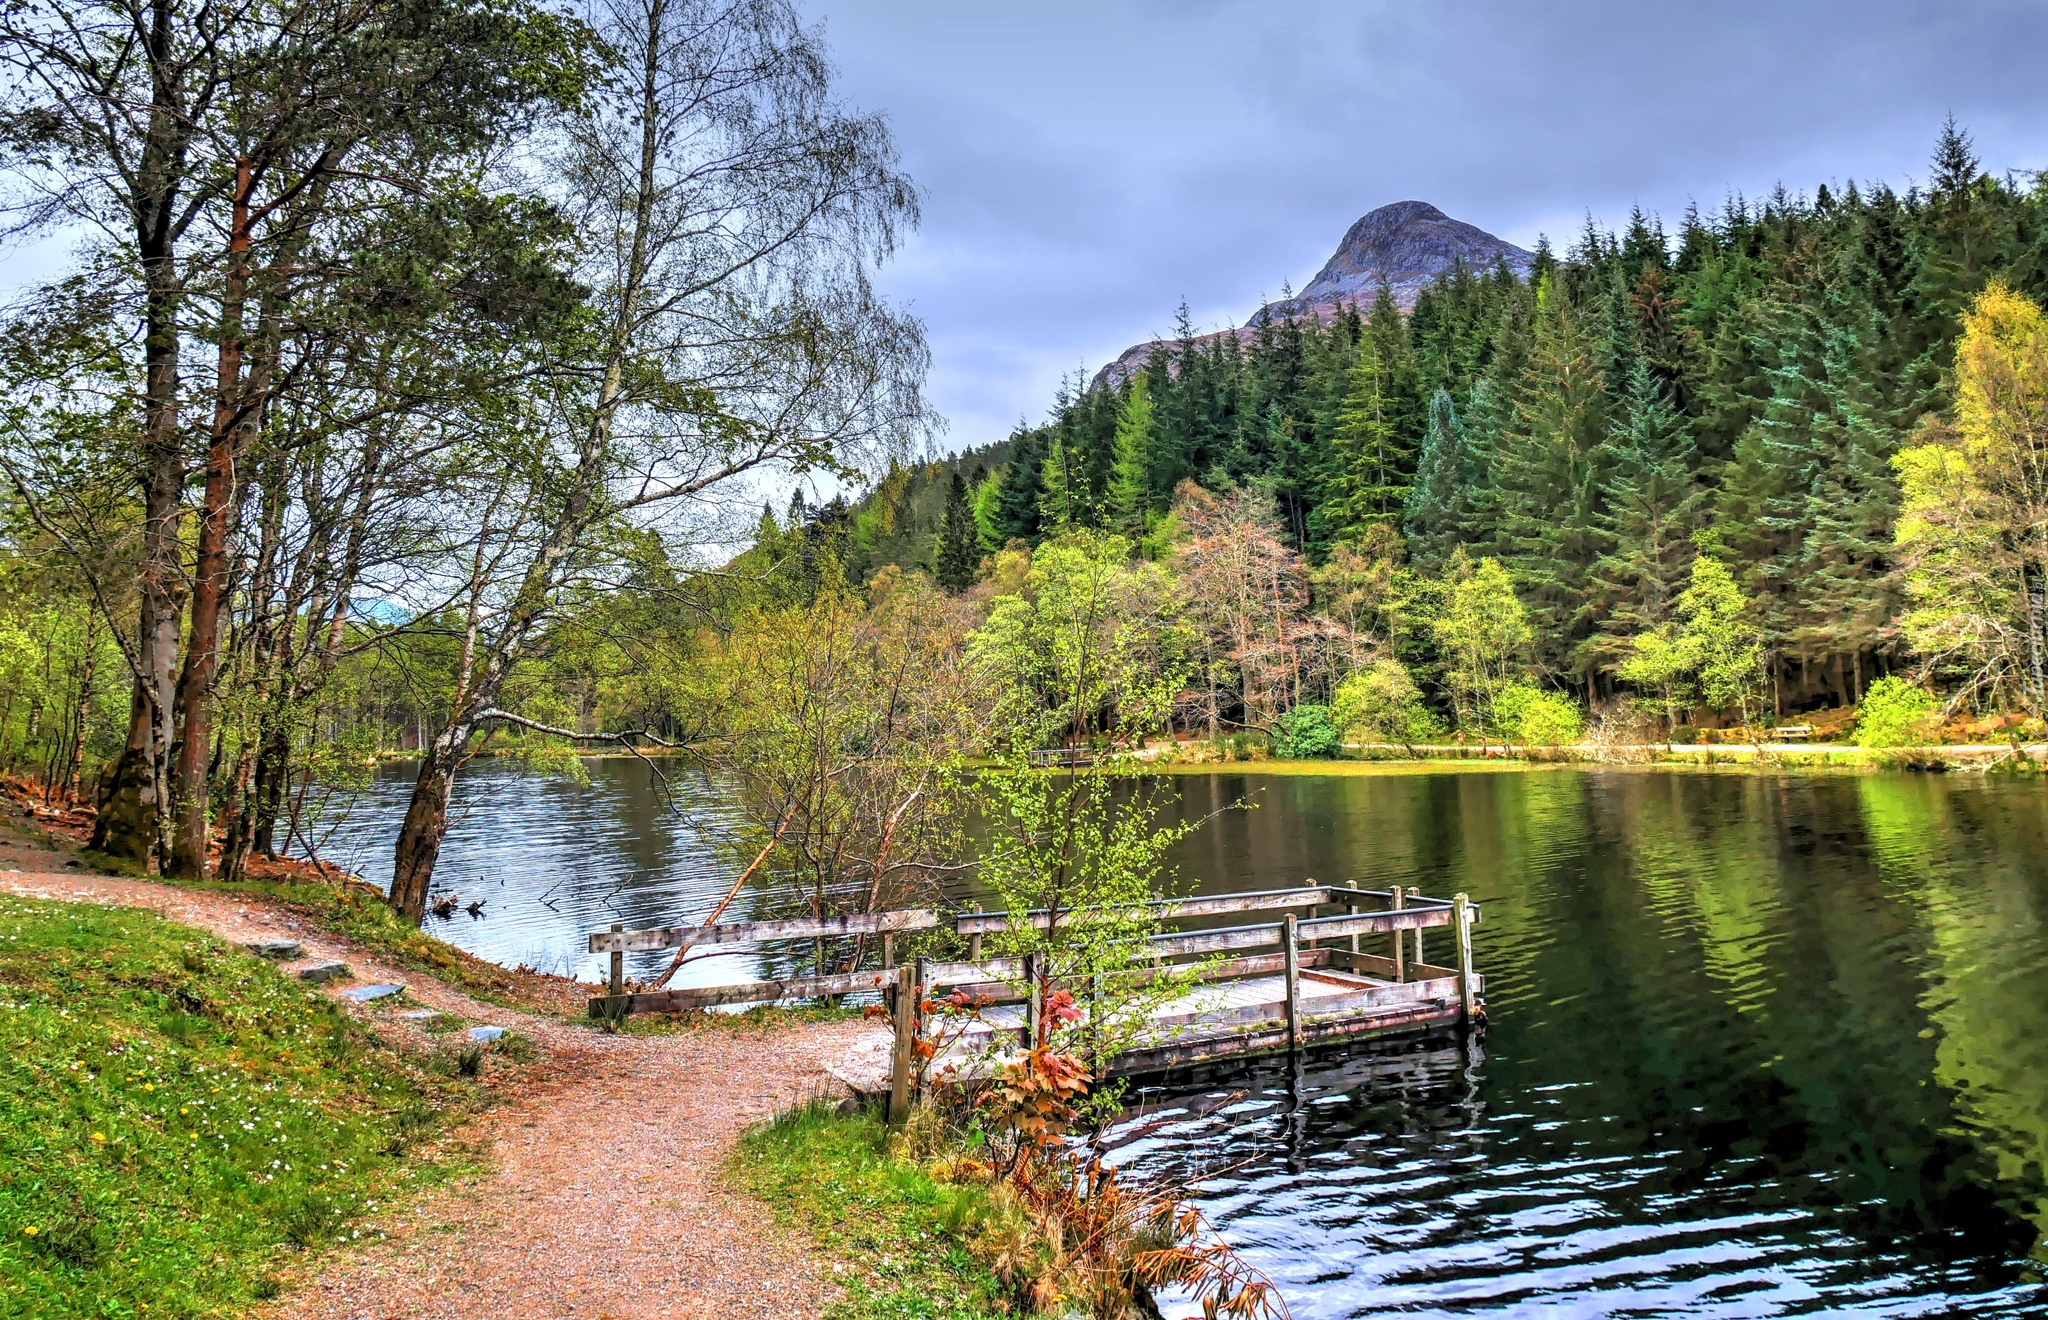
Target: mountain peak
<point>1403,245</point>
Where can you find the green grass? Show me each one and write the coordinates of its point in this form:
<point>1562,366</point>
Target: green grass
<point>900,1239</point>
<point>178,1120</point>
<point>1348,766</point>
<point>357,912</point>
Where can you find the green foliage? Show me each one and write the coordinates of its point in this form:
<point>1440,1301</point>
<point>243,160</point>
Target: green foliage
<point>908,1239</point>
<point>1082,847</point>
<point>958,549</point>
<point>1742,384</point>
<point>1381,704</point>
<point>1970,530</point>
<point>1130,484</point>
<point>1532,717</point>
<point>1088,645</point>
<point>844,726</point>
<point>175,1115</point>
<point>1713,654</point>
<point>1306,733</point>
<point>1483,634</point>
<point>1896,713</point>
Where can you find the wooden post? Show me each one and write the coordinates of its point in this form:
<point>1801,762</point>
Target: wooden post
<point>974,942</point>
<point>1461,927</point>
<point>906,1035</point>
<point>1351,910</point>
<point>618,965</point>
<point>1400,944</point>
<point>1416,892</point>
<point>1031,1004</point>
<point>918,982</point>
<point>1293,984</point>
<point>888,949</point>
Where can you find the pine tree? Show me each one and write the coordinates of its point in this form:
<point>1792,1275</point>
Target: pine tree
<point>1437,502</point>
<point>1016,513</point>
<point>986,502</point>
<point>1367,467</point>
<point>1651,502</point>
<point>1063,499</point>
<point>956,553</point>
<point>1546,480</point>
<point>1130,482</point>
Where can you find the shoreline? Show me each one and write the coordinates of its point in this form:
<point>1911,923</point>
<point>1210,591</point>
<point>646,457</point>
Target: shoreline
<point>1823,758</point>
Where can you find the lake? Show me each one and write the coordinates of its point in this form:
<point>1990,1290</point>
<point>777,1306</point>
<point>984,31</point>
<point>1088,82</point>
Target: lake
<point>1759,1045</point>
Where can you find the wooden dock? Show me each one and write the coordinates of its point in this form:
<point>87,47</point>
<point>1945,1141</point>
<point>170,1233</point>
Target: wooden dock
<point>1280,985</point>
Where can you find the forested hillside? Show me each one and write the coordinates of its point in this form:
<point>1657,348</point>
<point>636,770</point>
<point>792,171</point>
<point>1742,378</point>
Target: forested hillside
<point>1739,387</point>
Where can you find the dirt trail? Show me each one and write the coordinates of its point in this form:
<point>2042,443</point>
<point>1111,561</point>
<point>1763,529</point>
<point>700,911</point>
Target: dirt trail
<point>605,1198</point>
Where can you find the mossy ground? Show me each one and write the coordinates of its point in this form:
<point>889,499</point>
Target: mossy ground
<point>179,1121</point>
<point>900,1239</point>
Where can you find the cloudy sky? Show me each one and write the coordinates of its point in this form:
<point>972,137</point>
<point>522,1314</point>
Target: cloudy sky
<point>1090,164</point>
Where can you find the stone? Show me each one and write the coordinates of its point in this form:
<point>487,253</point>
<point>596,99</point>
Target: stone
<point>363,994</point>
<point>321,973</point>
<point>485,1035</point>
<point>276,950</point>
<point>420,1014</point>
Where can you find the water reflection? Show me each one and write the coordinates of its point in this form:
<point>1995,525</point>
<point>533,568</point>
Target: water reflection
<point>554,860</point>
<point>1760,1045</point>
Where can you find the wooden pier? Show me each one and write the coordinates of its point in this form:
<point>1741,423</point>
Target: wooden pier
<point>1279,985</point>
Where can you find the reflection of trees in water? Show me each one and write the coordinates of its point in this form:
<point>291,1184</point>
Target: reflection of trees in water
<point>1701,985</point>
<point>1965,873</point>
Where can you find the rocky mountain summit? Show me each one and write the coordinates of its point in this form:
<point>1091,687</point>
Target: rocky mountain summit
<point>1404,246</point>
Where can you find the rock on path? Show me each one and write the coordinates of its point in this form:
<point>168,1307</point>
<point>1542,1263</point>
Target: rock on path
<point>605,1199</point>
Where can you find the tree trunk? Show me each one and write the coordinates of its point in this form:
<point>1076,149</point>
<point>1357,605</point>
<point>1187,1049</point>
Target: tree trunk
<point>76,771</point>
<point>126,825</point>
<point>213,561</point>
<point>273,773</point>
<point>132,816</point>
<point>426,822</point>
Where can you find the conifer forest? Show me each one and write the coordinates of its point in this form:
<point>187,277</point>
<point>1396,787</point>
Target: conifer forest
<point>1772,386</point>
<point>337,444</point>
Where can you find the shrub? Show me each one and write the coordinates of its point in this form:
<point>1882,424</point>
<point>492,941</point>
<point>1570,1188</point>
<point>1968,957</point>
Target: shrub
<point>1382,704</point>
<point>1305,733</point>
<point>1896,713</point>
<point>1528,715</point>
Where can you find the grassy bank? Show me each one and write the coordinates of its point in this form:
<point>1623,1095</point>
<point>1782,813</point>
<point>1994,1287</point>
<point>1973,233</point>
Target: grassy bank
<point>179,1121</point>
<point>1724,756</point>
<point>341,905</point>
<point>902,1242</point>
<point>356,912</point>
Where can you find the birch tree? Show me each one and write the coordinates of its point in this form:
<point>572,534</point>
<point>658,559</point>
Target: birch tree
<point>730,211</point>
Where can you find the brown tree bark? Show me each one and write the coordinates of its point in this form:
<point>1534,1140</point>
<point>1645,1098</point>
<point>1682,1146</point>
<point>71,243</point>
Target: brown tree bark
<point>212,563</point>
<point>426,822</point>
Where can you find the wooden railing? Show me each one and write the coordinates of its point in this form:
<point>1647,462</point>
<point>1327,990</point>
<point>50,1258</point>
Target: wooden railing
<point>1398,914</point>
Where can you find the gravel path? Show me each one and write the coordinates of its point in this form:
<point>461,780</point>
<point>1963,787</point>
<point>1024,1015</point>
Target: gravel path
<point>605,1199</point>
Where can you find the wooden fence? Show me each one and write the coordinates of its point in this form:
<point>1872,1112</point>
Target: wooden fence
<point>1398,913</point>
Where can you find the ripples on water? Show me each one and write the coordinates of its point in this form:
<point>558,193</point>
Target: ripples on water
<point>554,861</point>
<point>1759,1046</point>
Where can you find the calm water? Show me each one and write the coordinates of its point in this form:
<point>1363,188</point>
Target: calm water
<point>1759,1046</point>
<point>554,861</point>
